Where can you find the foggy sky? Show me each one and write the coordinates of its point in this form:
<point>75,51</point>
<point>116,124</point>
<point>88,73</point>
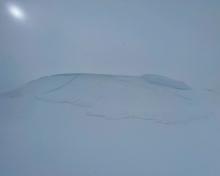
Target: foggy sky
<point>179,39</point>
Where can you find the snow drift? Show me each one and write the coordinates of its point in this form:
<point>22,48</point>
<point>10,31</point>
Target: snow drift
<point>148,97</point>
<point>90,124</point>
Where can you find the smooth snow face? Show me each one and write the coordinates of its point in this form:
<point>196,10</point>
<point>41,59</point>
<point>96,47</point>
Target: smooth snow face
<point>165,81</point>
<point>88,124</point>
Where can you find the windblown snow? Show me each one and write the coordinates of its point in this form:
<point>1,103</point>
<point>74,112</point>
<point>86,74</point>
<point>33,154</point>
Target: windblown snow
<point>148,97</point>
<point>93,124</point>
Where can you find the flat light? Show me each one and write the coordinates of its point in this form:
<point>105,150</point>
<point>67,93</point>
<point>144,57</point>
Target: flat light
<point>16,12</point>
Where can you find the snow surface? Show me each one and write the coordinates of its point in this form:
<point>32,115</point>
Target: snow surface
<point>91,124</point>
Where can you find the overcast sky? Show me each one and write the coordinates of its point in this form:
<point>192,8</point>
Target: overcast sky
<point>180,39</point>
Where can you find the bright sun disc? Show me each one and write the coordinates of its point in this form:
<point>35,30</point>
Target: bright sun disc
<point>16,12</point>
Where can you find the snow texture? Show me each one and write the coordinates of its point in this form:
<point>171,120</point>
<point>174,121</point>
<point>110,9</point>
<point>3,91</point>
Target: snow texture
<point>92,124</point>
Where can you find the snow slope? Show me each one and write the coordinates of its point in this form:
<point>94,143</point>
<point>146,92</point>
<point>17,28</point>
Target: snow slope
<point>90,124</point>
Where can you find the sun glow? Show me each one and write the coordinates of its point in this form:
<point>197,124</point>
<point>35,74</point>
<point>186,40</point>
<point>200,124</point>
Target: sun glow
<point>16,12</point>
